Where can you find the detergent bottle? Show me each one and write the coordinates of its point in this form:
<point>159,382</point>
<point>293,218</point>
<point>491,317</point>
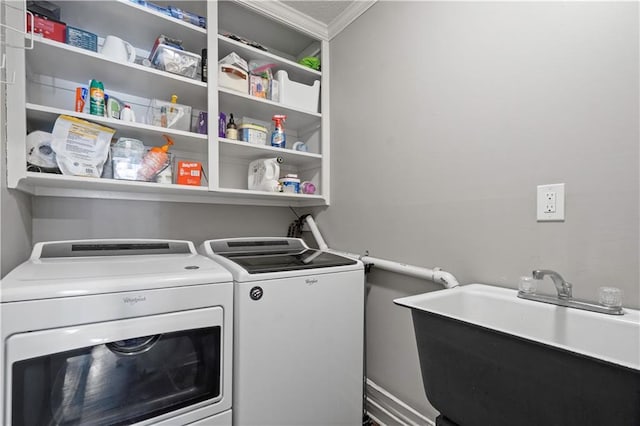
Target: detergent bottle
<point>264,174</point>
<point>278,137</point>
<point>155,161</point>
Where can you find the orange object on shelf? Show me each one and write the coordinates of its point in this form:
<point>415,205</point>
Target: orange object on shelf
<point>155,161</point>
<point>189,173</point>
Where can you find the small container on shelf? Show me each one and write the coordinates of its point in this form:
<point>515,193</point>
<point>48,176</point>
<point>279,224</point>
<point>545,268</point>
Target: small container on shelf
<point>177,116</point>
<point>232,129</point>
<point>290,183</point>
<point>176,61</point>
<point>258,86</point>
<point>188,172</point>
<point>252,133</point>
<point>186,16</point>
<point>233,77</point>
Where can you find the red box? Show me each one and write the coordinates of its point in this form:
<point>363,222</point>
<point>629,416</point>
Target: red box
<point>189,173</point>
<point>49,29</point>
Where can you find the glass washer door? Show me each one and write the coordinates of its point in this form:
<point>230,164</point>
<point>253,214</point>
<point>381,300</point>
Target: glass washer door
<point>118,372</point>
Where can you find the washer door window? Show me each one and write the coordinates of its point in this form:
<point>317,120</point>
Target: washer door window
<point>110,381</point>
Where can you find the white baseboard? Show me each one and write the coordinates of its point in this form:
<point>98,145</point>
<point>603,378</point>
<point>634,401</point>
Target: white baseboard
<point>386,409</point>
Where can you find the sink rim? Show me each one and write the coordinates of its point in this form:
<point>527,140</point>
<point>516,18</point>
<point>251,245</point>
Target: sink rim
<point>553,323</point>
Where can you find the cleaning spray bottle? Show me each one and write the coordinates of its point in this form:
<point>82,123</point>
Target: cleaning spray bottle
<point>154,161</point>
<point>278,137</point>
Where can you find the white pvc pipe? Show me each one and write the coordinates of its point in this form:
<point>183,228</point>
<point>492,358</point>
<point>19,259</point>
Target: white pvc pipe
<point>436,275</point>
<point>316,233</point>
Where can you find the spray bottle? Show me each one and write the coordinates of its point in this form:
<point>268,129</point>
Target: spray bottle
<point>154,161</point>
<point>96,98</point>
<point>278,137</point>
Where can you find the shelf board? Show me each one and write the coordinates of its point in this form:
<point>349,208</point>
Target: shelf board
<point>97,184</point>
<point>60,60</point>
<point>247,193</point>
<point>246,151</point>
<point>46,184</point>
<point>110,17</point>
<point>44,118</point>
<point>246,19</point>
<point>241,104</point>
<point>295,71</point>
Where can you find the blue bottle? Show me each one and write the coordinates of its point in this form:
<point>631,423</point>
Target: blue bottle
<point>278,137</point>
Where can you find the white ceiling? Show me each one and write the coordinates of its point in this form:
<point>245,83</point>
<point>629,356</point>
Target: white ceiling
<point>322,20</point>
<point>326,18</point>
<point>324,11</point>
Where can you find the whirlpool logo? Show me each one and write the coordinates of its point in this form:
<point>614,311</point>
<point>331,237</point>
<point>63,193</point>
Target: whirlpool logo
<point>311,281</point>
<point>134,300</point>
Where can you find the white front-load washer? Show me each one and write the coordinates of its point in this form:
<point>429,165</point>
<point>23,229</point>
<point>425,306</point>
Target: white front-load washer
<point>105,332</point>
<point>298,332</point>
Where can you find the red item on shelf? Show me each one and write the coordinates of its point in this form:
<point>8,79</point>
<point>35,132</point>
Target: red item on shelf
<point>189,173</point>
<point>53,30</point>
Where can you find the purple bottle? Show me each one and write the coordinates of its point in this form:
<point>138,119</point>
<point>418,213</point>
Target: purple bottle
<point>222,125</point>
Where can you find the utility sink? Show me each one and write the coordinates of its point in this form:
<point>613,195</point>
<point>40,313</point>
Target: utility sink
<point>489,358</point>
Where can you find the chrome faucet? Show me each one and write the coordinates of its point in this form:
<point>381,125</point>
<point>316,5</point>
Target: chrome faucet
<point>565,296</point>
<point>563,287</point>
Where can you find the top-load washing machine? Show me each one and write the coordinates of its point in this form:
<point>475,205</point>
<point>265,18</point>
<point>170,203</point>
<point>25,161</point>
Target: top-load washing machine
<point>104,332</point>
<point>298,332</point>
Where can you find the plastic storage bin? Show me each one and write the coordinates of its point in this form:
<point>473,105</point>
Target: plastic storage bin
<point>176,61</point>
<point>253,134</point>
<point>178,116</point>
<point>298,95</point>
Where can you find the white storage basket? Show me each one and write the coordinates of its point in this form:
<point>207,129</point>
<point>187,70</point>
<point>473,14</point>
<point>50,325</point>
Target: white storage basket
<point>298,95</point>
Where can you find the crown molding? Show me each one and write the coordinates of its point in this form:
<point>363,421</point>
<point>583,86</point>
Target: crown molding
<point>287,15</point>
<point>350,14</point>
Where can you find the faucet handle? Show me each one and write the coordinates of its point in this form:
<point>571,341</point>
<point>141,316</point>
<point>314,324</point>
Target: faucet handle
<point>527,285</point>
<point>610,297</point>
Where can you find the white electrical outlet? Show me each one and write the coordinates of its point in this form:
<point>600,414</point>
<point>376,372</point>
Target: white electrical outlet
<point>550,202</point>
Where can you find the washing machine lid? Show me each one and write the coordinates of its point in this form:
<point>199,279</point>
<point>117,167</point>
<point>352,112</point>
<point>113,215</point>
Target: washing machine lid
<point>268,255</point>
<point>84,267</point>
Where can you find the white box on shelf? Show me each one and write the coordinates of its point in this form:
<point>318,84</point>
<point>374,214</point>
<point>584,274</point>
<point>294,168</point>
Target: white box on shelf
<point>233,77</point>
<point>298,95</point>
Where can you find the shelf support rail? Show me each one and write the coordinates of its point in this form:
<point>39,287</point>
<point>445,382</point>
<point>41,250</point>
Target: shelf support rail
<point>436,275</point>
<point>3,65</point>
<point>27,34</point>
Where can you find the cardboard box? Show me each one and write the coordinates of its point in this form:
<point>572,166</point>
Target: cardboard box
<point>53,30</point>
<point>81,38</point>
<point>189,173</point>
<point>259,86</point>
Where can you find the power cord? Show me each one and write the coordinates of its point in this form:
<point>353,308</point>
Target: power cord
<point>295,228</point>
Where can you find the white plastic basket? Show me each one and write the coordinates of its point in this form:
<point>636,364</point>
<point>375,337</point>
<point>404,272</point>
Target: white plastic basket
<point>298,95</point>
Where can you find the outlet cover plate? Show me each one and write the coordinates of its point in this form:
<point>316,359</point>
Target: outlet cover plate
<point>550,205</point>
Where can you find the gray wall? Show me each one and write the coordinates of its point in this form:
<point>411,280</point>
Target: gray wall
<point>60,218</point>
<point>15,207</point>
<point>445,117</point>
